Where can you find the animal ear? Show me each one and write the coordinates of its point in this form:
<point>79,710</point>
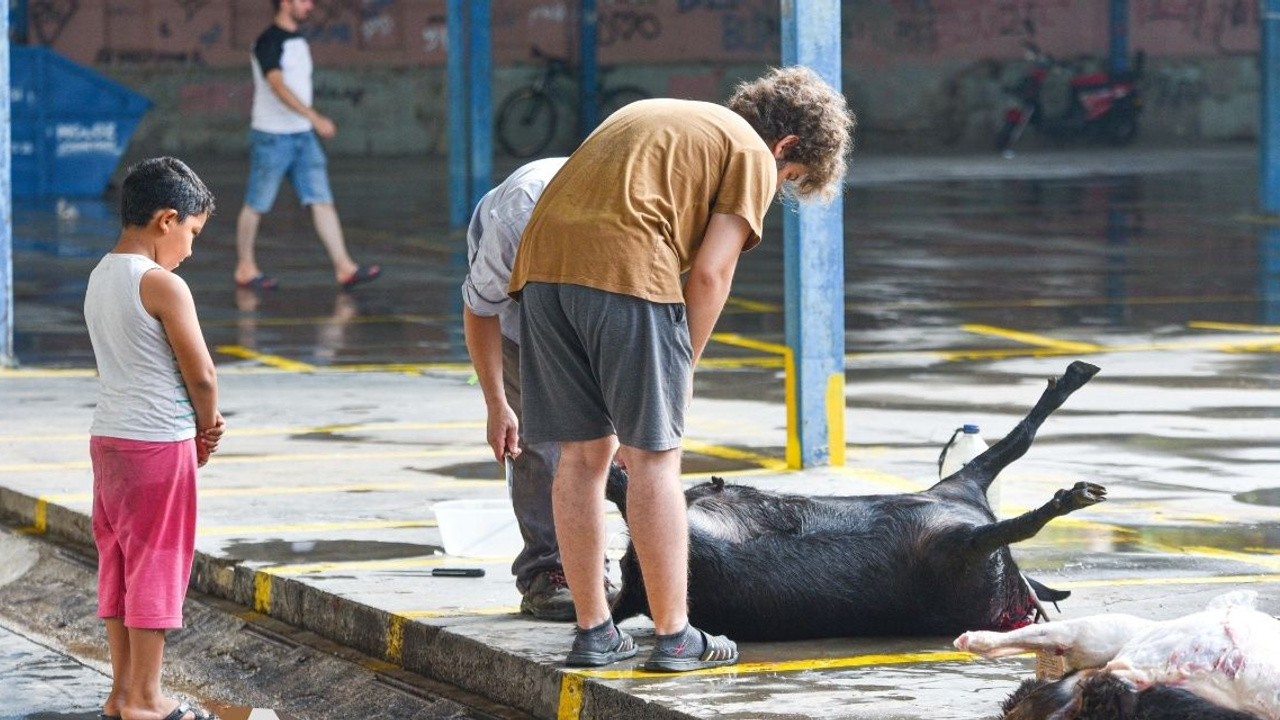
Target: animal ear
<point>718,482</point>
<point>1045,593</point>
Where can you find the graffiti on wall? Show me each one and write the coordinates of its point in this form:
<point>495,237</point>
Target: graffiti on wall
<point>48,18</point>
<point>414,32</point>
<point>1229,26</point>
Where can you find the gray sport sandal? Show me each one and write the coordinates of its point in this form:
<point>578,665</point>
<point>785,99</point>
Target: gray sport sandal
<point>719,650</point>
<point>623,647</point>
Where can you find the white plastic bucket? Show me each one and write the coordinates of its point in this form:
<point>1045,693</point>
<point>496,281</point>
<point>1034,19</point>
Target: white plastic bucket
<point>478,528</point>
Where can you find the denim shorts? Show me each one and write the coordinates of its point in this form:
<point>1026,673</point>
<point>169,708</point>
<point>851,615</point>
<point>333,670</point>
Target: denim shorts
<point>298,155</point>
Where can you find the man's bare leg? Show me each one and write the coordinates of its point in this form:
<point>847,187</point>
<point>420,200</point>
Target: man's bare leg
<point>578,501</point>
<point>329,228</point>
<point>657,518</point>
<point>246,236</point>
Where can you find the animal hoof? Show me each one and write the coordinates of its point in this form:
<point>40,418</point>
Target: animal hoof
<point>1085,494</point>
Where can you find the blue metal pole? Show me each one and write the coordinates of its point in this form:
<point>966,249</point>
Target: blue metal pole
<point>459,178</point>
<point>814,267</point>
<point>1119,36</point>
<point>1269,132</point>
<point>481,83</point>
<point>6,205</point>
<point>589,75</point>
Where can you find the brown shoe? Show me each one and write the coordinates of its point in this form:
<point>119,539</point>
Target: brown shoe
<point>548,597</point>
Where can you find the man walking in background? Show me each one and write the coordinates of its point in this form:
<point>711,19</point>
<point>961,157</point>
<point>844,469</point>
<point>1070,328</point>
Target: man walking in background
<point>284,140</point>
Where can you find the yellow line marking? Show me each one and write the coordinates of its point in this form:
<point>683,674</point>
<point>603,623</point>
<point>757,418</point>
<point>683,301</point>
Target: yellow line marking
<point>463,612</point>
<point>402,564</point>
<point>750,344</point>
<point>793,458</point>
<point>38,467</point>
<point>284,430</point>
<point>395,638</point>
<point>728,453</point>
<point>41,523</point>
<point>1268,562</point>
<point>1130,582</point>
<point>794,665</point>
<point>261,491</point>
<point>262,592</point>
<point>276,458</point>
<point>1031,338</point>
<point>570,706</point>
<point>755,306</point>
<point>879,477</point>
<point>37,373</point>
<point>1233,327</point>
<point>412,368</point>
<point>835,418</point>
<point>274,361</point>
<point>324,320</point>
<point>313,527</point>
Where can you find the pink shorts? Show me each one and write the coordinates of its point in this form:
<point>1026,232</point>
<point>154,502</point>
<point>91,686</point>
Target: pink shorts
<point>144,523</point>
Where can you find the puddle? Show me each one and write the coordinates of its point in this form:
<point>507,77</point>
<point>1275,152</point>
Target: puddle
<point>285,552</point>
<point>1264,496</point>
<point>485,470</point>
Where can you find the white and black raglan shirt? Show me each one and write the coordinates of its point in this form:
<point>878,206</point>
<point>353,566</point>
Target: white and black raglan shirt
<point>288,52</point>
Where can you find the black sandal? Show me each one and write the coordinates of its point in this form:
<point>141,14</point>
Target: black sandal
<point>719,650</point>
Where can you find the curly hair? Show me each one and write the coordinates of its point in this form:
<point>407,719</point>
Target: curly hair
<point>796,101</point>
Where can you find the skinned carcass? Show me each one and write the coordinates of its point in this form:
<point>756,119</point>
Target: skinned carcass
<point>1226,658</point>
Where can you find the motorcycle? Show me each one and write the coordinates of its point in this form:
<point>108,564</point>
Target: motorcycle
<point>1097,105</point>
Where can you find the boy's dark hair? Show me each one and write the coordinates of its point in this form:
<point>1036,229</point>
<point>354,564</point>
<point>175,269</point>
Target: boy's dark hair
<point>160,184</point>
<point>275,5</point>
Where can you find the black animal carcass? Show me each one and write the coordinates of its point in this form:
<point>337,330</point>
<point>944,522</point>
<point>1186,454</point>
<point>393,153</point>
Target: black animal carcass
<point>769,566</point>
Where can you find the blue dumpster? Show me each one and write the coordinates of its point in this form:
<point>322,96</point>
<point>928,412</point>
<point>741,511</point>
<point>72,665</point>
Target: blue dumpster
<point>70,124</point>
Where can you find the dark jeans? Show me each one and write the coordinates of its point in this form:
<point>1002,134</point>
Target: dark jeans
<point>532,473</point>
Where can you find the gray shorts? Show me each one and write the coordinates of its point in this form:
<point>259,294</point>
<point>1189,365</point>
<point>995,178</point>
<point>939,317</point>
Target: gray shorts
<point>596,363</point>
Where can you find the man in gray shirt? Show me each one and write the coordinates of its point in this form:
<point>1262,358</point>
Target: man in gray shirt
<point>492,325</point>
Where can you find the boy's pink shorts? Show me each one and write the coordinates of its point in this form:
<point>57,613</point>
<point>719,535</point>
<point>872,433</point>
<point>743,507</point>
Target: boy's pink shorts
<point>144,523</point>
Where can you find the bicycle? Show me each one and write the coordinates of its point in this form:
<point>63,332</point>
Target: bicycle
<point>529,117</point>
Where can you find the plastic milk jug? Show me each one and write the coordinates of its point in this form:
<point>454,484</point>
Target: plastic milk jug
<point>966,444</point>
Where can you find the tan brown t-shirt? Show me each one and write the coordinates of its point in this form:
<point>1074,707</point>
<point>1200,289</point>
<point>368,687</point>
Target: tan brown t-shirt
<point>628,211</point>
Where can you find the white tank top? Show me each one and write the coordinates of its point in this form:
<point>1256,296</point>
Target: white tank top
<point>141,395</point>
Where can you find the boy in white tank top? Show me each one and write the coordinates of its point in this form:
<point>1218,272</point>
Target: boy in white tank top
<point>155,422</point>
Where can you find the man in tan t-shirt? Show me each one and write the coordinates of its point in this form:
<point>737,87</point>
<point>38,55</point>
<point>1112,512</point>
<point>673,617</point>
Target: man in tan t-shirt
<point>610,336</point>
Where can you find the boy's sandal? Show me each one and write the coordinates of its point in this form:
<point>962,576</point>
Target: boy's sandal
<point>102,716</point>
<point>623,649</point>
<point>261,282</point>
<point>183,708</point>
<point>719,651</point>
<point>363,274</point>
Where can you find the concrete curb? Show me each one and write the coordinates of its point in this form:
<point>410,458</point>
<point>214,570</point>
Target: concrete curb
<point>435,652</point>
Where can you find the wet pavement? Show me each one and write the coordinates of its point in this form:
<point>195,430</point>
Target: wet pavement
<point>39,683</point>
<point>350,415</point>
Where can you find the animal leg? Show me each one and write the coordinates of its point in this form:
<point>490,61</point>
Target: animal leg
<point>1056,635</point>
<point>1084,642</point>
<point>615,488</point>
<point>982,470</point>
<point>989,538</point>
